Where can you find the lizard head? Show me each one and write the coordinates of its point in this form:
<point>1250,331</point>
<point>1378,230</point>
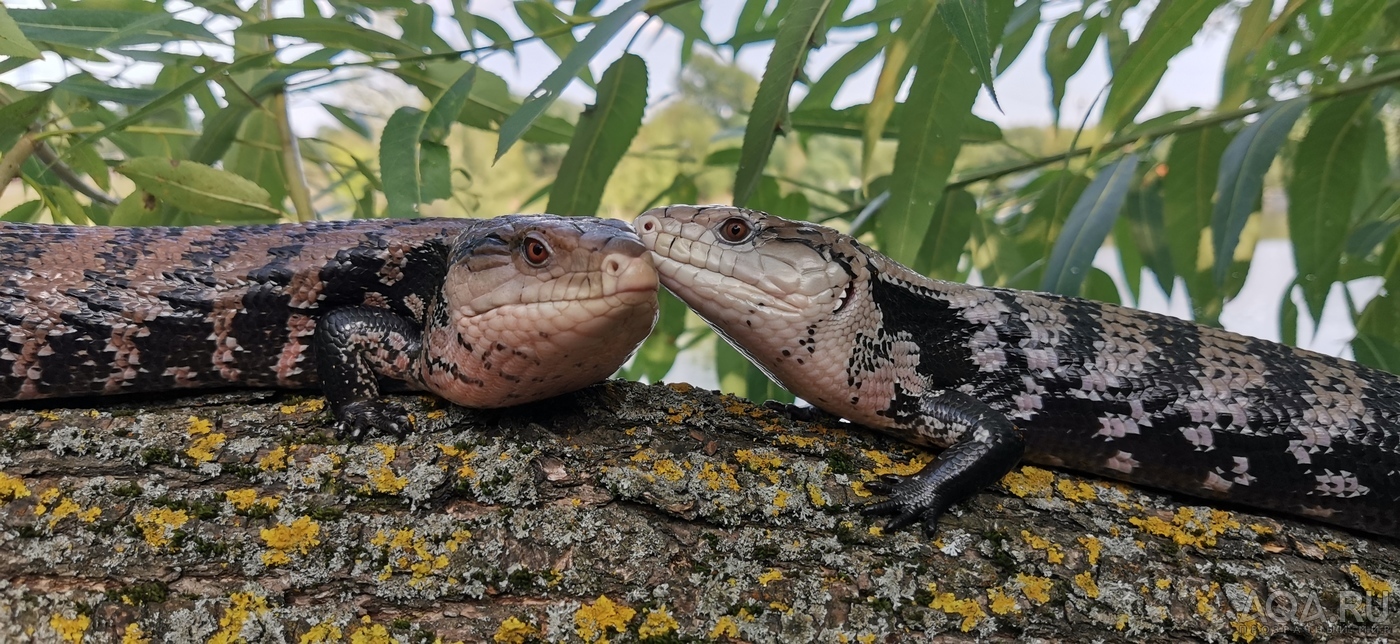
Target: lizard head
<point>536,305</point>
<point>780,291</point>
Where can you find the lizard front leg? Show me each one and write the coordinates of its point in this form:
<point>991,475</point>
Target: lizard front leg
<point>355,347</point>
<point>989,446</point>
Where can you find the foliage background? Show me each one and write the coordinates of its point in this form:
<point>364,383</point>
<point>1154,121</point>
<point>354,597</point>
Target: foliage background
<point>1307,110</point>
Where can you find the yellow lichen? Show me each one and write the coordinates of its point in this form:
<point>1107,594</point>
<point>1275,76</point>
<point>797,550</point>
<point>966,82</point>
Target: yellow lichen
<point>1053,554</point>
<point>667,469</point>
<point>11,488</point>
<point>719,477</point>
<point>299,535</point>
<point>780,500</point>
<point>725,627</point>
<point>90,515</point>
<point>312,405</point>
<point>1076,490</point>
<point>66,507</point>
<point>1204,596</point>
<point>1000,602</point>
<point>241,499</point>
<point>321,634</point>
<point>1029,481</point>
<point>1373,586</point>
<point>1036,589</point>
<point>1188,527</point>
<point>814,494</point>
<point>657,624</point>
<point>275,460</point>
<point>593,621</point>
<point>241,607</point>
<point>1261,529</point>
<point>371,633</point>
<point>800,442</point>
<point>1093,547</point>
<point>514,631</point>
<point>159,525</point>
<point>382,478</point>
<point>1086,583</point>
<point>134,635</point>
<point>1246,628</point>
<point>860,489</point>
<point>772,575</point>
<point>968,609</point>
<point>877,531</point>
<point>205,445</point>
<point>885,465</point>
<point>70,629</point>
<point>1163,583</point>
<point>46,415</point>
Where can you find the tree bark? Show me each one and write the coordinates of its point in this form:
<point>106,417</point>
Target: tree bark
<point>625,512</point>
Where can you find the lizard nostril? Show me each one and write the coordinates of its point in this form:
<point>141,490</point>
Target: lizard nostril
<point>612,266</point>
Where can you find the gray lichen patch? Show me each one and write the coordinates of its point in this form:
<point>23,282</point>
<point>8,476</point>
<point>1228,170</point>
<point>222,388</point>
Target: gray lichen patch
<point>635,513</point>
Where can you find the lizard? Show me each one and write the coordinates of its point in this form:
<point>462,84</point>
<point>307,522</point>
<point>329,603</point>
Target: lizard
<point>482,312</point>
<point>993,376</point>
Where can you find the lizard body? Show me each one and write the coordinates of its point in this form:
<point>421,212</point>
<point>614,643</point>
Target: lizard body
<point>993,374</point>
<point>483,312</point>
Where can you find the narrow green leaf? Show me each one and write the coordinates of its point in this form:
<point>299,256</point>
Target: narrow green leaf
<point>438,123</point>
<point>1088,225</point>
<point>64,206</point>
<point>220,129</point>
<point>1168,31</point>
<point>87,28</point>
<point>1321,191</point>
<point>398,162</point>
<point>821,93</point>
<point>12,40</point>
<point>257,155</point>
<point>1144,213</point>
<point>604,132</point>
<point>332,32</point>
<point>1241,179</point>
<point>898,60</point>
<point>434,159</point>
<point>350,121</point>
<point>947,235</point>
<point>944,88</point>
<point>199,189</point>
<point>1099,286</point>
<point>1130,259</point>
<point>1345,30</point>
<point>1288,317</point>
<point>850,121</point>
<point>1063,60</point>
<point>1019,29</point>
<point>87,86</point>
<point>177,94</point>
<point>89,162</point>
<point>1242,60</point>
<point>550,88</point>
<point>770,106</point>
<point>967,20</point>
<point>1193,165</point>
<point>16,117</point>
<point>23,213</point>
<point>139,208</point>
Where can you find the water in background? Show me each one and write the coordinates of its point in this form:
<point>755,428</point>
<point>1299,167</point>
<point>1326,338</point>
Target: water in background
<point>1254,312</point>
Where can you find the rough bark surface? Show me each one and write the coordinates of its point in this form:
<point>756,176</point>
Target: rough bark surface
<point>624,512</point>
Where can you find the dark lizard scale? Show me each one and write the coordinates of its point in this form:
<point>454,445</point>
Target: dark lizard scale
<point>119,310</point>
<point>1128,396</point>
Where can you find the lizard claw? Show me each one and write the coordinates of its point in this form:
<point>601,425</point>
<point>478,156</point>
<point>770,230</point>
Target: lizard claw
<point>358,418</point>
<point>910,501</point>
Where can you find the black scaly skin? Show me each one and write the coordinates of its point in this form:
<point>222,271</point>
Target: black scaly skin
<point>1127,394</point>
<point>345,306</point>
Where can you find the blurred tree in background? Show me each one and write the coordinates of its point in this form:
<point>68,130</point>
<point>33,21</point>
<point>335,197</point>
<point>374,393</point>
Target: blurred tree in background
<point>1307,105</point>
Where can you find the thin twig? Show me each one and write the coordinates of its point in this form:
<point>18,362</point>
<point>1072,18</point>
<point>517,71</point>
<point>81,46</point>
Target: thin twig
<point>1367,84</point>
<point>14,158</point>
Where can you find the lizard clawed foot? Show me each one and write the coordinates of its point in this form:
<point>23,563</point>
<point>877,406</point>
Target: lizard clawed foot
<point>358,418</point>
<point>912,498</point>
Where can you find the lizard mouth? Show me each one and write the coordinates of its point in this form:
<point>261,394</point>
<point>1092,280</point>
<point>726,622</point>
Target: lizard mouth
<point>847,294</point>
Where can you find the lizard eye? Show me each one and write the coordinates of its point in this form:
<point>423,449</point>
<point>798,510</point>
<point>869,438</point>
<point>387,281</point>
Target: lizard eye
<point>536,252</point>
<point>735,230</point>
